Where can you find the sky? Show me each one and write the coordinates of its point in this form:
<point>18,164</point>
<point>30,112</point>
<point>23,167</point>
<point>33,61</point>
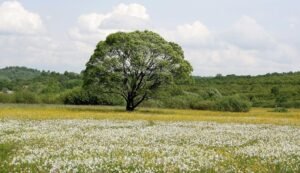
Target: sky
<point>243,37</point>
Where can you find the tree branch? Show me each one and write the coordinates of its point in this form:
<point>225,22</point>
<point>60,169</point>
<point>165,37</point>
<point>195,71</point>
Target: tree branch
<point>140,101</point>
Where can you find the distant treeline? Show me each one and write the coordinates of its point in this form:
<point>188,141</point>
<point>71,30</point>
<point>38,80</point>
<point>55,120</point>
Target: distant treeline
<point>24,85</point>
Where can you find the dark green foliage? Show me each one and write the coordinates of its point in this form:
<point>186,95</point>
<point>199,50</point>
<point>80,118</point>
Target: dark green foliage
<point>275,90</point>
<point>262,90</point>
<point>280,109</point>
<point>213,94</point>
<point>82,97</point>
<point>202,105</point>
<point>18,73</point>
<point>201,93</point>
<point>180,102</point>
<point>135,65</point>
<point>232,104</point>
<point>6,98</point>
<point>5,84</point>
<point>26,97</point>
<point>280,101</point>
<point>23,85</point>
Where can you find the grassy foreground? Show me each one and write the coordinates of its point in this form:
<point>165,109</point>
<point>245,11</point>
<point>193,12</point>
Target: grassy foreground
<point>48,112</point>
<point>52,138</point>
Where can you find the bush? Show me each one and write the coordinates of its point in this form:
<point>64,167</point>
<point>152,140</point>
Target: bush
<point>82,97</point>
<point>51,99</point>
<point>280,109</point>
<point>187,101</point>
<point>6,98</point>
<point>152,103</point>
<point>177,102</point>
<point>202,105</point>
<point>232,104</point>
<point>213,94</point>
<point>263,104</point>
<point>275,90</point>
<point>26,97</point>
<point>296,104</point>
<point>280,100</point>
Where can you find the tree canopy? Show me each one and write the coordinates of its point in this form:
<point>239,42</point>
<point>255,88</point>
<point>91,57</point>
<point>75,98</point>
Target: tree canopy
<point>134,65</point>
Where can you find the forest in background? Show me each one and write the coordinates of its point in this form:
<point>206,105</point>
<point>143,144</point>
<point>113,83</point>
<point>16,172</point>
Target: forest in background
<point>25,85</point>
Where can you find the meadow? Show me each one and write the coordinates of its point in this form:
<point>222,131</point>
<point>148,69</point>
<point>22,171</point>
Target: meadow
<point>57,138</point>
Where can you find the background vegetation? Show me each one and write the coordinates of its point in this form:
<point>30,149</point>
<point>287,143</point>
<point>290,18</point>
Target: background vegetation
<point>225,93</point>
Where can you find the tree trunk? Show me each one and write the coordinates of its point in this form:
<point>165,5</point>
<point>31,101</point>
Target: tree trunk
<point>130,105</point>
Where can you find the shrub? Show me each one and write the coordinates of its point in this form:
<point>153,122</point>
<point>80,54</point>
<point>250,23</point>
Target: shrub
<point>296,104</point>
<point>82,97</point>
<point>280,100</point>
<point>187,101</point>
<point>275,90</point>
<point>202,105</point>
<point>213,94</point>
<point>51,99</point>
<point>6,98</point>
<point>178,102</point>
<point>280,109</point>
<point>232,104</point>
<point>263,104</point>
<point>152,103</point>
<point>26,97</point>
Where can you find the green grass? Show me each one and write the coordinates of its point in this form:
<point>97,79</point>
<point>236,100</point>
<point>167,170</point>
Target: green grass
<point>42,112</point>
<point>158,130</point>
<point>6,150</point>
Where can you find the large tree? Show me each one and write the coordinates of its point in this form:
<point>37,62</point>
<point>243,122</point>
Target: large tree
<point>134,65</point>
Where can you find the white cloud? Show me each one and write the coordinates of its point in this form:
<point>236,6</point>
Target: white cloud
<point>246,48</point>
<point>15,19</point>
<point>132,10</point>
<point>41,52</point>
<point>248,34</point>
<point>195,31</point>
<point>94,27</point>
<point>121,17</point>
<point>190,35</point>
<point>293,23</point>
<point>25,42</point>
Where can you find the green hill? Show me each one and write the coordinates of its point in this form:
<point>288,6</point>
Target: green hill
<point>18,73</point>
<point>257,89</point>
<point>33,86</point>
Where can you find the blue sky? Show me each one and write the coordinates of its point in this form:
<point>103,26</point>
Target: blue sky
<point>218,36</point>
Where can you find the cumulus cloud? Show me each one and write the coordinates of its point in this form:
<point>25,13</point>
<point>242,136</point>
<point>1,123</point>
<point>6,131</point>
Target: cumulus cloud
<point>40,51</point>
<point>132,10</point>
<point>15,19</point>
<point>245,48</point>
<point>248,34</point>
<point>190,35</point>
<point>192,32</point>
<point>24,41</point>
<point>93,27</point>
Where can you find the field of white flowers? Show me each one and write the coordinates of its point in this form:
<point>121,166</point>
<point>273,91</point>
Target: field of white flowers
<point>147,146</point>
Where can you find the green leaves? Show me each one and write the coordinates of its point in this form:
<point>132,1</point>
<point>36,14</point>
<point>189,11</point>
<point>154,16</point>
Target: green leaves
<point>135,64</point>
